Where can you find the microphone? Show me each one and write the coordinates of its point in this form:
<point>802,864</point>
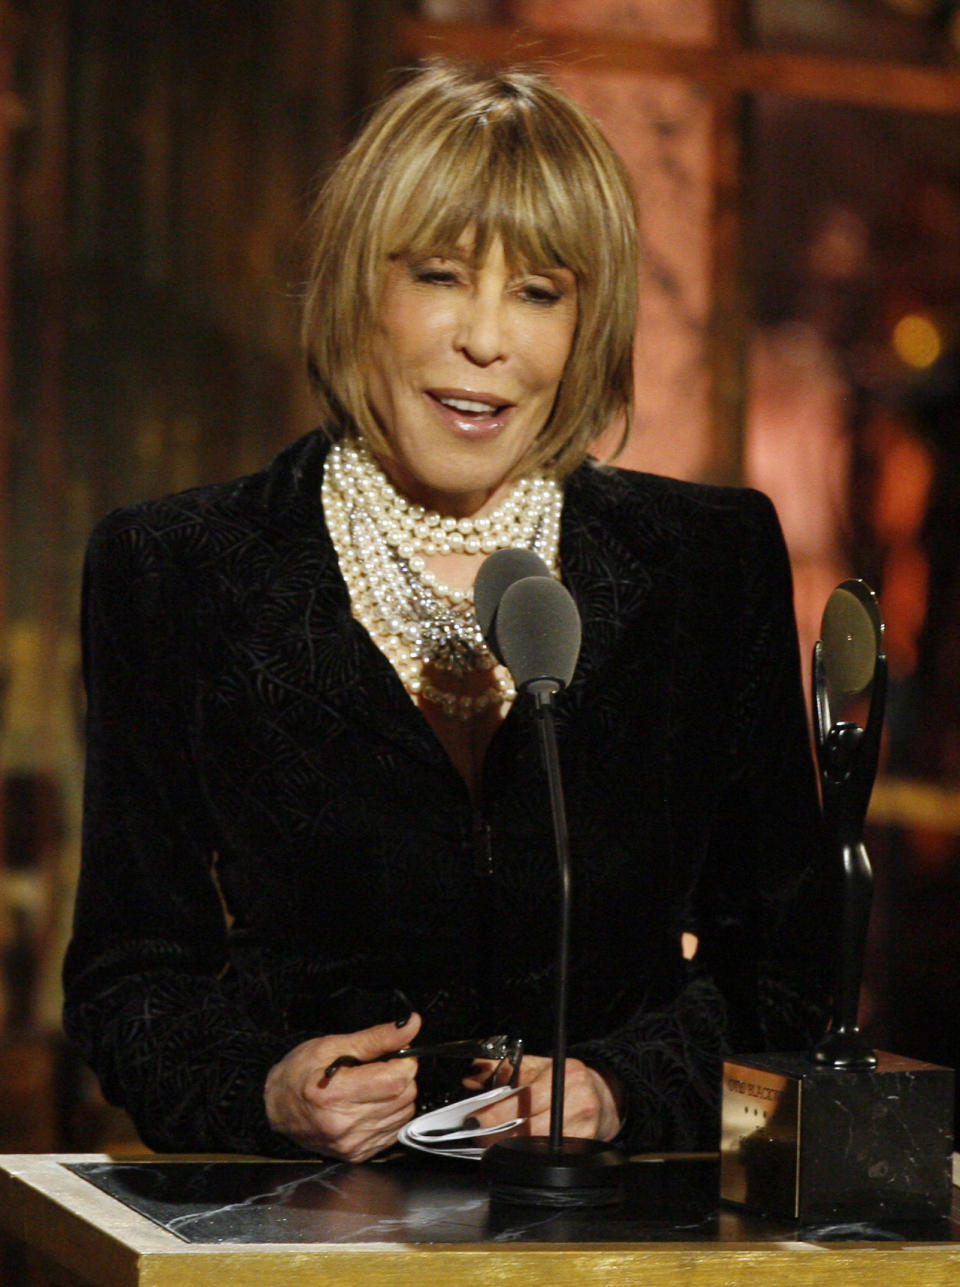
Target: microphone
<point>497,573</point>
<point>537,628</point>
<point>532,625</point>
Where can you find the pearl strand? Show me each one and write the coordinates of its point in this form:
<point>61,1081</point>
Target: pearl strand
<point>529,517</point>
<point>382,541</point>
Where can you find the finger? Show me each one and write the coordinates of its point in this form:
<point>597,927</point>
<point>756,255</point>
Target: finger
<point>374,1127</point>
<point>531,1067</point>
<point>514,1106</point>
<point>372,1147</point>
<point>479,1074</point>
<point>369,1043</point>
<point>352,1149</point>
<point>582,1107</point>
<point>534,1067</point>
<point>397,1119</point>
<point>368,1084</point>
<point>352,1127</point>
<point>373,1108</point>
<point>342,1131</point>
<point>531,1101</point>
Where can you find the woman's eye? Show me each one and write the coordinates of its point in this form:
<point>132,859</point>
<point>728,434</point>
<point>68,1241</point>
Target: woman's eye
<point>538,293</point>
<point>435,275</point>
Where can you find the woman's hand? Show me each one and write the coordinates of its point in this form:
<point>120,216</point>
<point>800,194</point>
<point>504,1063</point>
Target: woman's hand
<point>356,1112</point>
<point>591,1101</point>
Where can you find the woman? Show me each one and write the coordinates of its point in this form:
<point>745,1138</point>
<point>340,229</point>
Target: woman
<point>316,817</point>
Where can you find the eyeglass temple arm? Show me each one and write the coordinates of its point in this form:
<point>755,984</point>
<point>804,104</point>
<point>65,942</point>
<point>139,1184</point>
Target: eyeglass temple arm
<point>504,1048</point>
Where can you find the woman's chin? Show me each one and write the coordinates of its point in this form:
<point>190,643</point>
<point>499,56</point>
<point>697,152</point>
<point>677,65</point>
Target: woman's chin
<point>458,487</point>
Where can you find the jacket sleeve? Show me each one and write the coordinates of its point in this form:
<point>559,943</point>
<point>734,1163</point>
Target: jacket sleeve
<point>148,996</point>
<point>760,906</point>
<point>764,906</point>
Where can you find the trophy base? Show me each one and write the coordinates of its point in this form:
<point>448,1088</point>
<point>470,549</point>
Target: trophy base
<point>821,1145</point>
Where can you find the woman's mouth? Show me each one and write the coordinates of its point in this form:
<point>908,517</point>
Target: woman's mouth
<point>471,406</point>
<point>472,413</point>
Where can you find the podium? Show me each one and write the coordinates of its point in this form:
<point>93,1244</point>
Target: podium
<point>257,1223</point>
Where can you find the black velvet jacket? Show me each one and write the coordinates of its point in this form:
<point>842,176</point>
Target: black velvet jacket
<point>274,838</point>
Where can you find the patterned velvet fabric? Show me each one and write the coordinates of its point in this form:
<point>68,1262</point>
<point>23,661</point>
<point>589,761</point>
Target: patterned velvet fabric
<point>275,840</point>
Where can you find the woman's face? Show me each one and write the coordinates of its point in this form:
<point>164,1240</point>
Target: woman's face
<point>466,361</point>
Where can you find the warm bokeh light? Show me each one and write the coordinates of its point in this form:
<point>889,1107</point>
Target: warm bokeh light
<point>913,8</point>
<point>917,341</point>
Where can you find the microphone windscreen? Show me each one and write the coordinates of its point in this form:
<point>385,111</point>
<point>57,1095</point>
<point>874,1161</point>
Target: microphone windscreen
<point>851,637</point>
<point>497,573</point>
<point>538,631</point>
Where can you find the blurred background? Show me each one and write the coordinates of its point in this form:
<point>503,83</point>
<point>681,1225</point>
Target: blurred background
<point>797,164</point>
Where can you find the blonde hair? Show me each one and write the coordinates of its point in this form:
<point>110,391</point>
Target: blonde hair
<point>510,156</point>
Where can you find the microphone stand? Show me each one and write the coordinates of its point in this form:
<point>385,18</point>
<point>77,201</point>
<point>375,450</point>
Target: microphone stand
<point>543,691</point>
<point>556,1171</point>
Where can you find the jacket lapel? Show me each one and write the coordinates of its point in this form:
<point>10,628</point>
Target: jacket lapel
<point>603,536</point>
<point>351,680</point>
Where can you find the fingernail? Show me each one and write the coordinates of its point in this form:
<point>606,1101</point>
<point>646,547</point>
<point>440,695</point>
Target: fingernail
<point>472,1123</point>
<point>402,1008</point>
<point>332,1068</point>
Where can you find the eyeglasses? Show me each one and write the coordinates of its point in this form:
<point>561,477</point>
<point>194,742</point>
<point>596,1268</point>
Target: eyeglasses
<point>501,1048</point>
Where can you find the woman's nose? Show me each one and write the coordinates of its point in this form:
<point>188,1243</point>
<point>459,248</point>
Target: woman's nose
<point>480,333</point>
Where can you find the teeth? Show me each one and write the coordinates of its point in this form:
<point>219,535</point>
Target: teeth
<point>467,404</point>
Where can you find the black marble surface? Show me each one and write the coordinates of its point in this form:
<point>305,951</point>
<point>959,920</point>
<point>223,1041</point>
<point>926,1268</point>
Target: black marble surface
<point>875,1143</point>
<point>414,1199</point>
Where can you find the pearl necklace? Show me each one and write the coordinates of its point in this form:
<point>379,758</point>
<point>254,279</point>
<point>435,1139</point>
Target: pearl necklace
<point>382,541</point>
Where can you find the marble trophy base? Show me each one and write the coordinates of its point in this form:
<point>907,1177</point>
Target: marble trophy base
<point>819,1145</point>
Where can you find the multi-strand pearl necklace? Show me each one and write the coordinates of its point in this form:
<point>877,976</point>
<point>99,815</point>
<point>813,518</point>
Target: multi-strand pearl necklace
<point>382,541</point>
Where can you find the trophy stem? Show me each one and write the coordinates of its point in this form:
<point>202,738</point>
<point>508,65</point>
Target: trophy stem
<point>847,756</point>
<point>844,1046</point>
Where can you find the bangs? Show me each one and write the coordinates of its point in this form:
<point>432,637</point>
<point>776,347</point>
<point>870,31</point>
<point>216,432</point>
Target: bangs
<point>496,186</point>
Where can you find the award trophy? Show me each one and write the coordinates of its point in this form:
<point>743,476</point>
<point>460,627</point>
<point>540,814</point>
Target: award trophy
<point>842,1133</point>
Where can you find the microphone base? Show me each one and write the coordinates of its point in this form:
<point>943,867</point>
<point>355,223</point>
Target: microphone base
<point>581,1173</point>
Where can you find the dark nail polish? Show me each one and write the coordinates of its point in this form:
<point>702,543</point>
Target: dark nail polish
<point>332,1068</point>
<point>471,1123</point>
<point>404,1020</point>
